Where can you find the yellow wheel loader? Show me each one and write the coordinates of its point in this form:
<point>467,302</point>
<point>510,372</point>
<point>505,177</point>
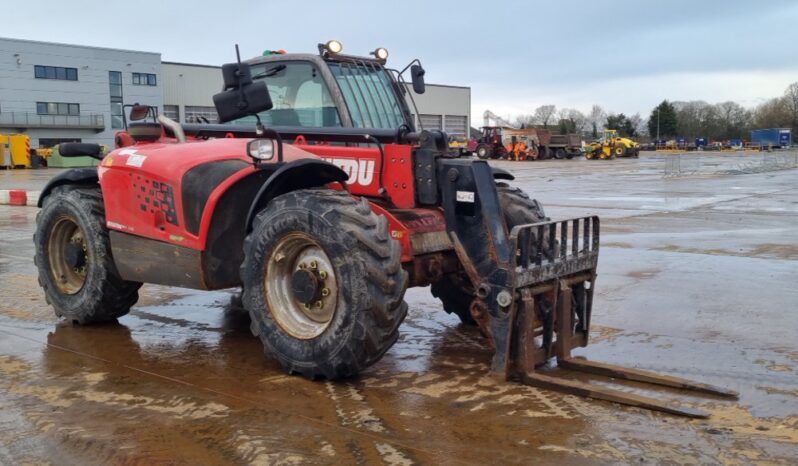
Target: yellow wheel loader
<point>611,146</point>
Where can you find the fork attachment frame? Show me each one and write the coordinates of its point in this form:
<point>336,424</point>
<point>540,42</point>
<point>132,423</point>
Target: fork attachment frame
<point>534,291</point>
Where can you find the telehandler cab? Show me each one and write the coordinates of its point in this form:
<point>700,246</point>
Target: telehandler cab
<point>318,196</point>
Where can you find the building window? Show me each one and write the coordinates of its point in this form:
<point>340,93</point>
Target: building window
<point>57,108</point>
<point>172,111</point>
<point>456,126</point>
<point>115,89</point>
<point>144,79</point>
<point>55,72</point>
<point>430,122</point>
<point>197,114</point>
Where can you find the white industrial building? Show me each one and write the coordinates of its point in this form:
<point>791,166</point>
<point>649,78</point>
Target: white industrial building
<point>61,92</point>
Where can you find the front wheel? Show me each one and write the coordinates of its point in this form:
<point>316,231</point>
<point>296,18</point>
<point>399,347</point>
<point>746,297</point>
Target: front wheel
<point>323,283</point>
<point>559,154</point>
<point>73,255</point>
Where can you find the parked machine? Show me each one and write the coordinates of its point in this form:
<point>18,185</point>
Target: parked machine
<point>324,226</point>
<point>565,146</point>
<point>15,151</point>
<point>505,140</point>
<point>610,146</point>
<point>490,144</point>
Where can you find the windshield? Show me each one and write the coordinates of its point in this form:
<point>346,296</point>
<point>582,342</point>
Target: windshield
<point>369,94</point>
<point>299,95</point>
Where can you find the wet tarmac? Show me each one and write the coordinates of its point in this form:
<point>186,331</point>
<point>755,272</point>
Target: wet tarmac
<point>696,279</point>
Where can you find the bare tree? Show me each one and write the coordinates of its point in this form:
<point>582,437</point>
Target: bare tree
<point>524,120</point>
<point>638,124</point>
<point>771,114</point>
<point>596,119</point>
<point>579,119</point>
<point>732,118</point>
<point>544,113</point>
<point>791,104</point>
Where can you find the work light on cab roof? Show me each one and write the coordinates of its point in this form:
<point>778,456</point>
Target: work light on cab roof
<point>332,47</point>
<point>381,53</point>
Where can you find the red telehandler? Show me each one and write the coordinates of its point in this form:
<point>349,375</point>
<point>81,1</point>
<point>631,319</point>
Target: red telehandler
<point>319,198</point>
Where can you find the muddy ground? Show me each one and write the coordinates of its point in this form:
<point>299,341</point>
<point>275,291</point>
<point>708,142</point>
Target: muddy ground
<point>696,278</point>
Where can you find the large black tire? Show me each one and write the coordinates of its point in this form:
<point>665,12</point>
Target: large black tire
<point>365,263</point>
<point>455,290</point>
<point>484,152</point>
<point>97,293</point>
<point>544,152</point>
<point>559,153</point>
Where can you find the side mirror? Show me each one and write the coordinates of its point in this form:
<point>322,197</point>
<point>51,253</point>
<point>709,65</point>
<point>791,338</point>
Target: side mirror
<point>237,103</point>
<point>139,112</point>
<point>417,75</point>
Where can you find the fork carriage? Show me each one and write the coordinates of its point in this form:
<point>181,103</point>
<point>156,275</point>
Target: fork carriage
<point>534,295</point>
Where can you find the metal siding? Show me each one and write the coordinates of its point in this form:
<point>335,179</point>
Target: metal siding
<point>21,90</point>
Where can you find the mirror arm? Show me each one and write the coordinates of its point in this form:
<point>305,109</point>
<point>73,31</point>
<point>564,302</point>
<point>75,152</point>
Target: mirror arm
<point>270,133</point>
<point>415,60</point>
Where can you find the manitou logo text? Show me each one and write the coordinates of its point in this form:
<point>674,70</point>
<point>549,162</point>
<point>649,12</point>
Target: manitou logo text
<point>360,171</point>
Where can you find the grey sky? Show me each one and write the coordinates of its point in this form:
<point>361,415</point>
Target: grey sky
<point>625,55</point>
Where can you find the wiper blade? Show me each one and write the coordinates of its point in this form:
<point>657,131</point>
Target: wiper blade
<point>270,73</point>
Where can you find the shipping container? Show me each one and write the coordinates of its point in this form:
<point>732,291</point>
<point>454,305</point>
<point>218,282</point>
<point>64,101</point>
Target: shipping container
<point>772,137</point>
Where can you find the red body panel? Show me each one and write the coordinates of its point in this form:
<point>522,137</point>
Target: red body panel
<point>364,166</point>
<point>142,186</point>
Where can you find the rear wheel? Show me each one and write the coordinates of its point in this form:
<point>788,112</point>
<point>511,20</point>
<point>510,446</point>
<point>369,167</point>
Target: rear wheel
<point>484,151</point>
<point>455,290</point>
<point>73,255</point>
<point>559,153</point>
<point>323,283</point>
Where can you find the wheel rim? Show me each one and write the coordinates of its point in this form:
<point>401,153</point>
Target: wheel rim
<point>482,152</point>
<point>301,286</point>
<point>68,255</point>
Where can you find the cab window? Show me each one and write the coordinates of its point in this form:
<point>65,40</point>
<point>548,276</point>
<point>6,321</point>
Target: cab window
<point>299,94</point>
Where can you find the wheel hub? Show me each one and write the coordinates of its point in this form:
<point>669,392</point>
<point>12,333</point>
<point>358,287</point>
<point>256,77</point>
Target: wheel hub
<point>68,255</point>
<point>74,255</point>
<point>301,286</point>
<point>305,285</point>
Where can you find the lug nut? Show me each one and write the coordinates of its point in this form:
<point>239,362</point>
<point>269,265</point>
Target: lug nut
<point>319,304</point>
<point>313,264</point>
<point>325,292</point>
<point>323,275</point>
<point>306,305</point>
